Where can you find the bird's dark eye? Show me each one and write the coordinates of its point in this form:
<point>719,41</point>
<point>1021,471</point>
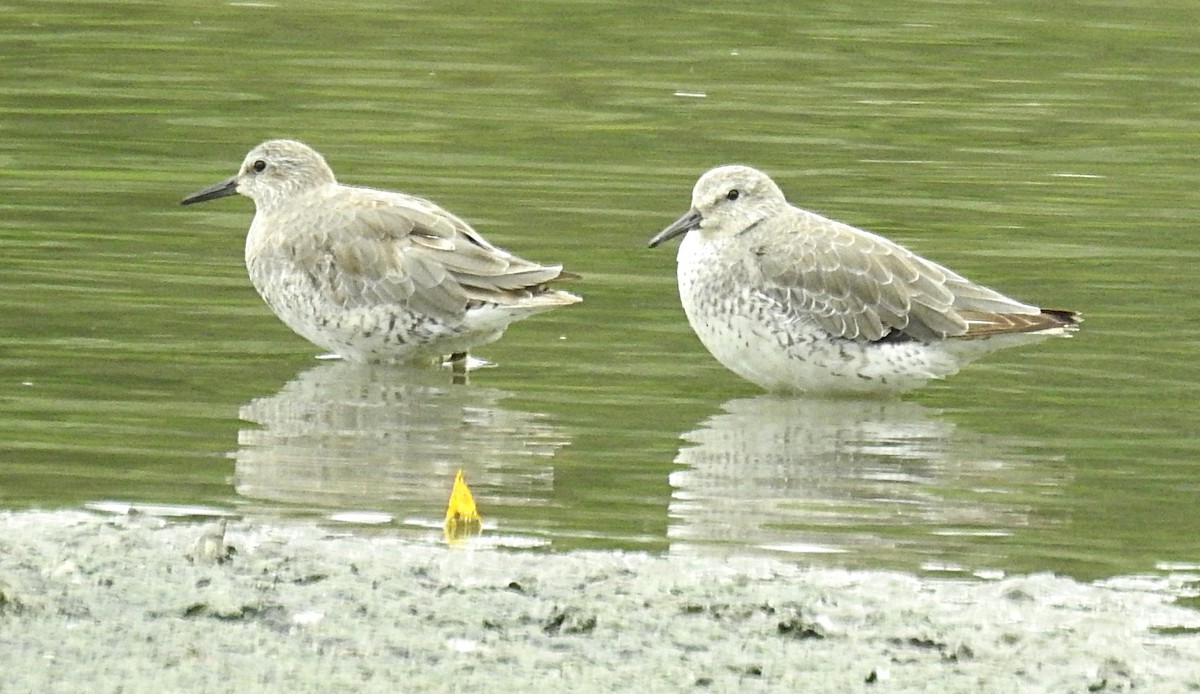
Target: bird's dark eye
<point>259,166</point>
<point>733,194</point>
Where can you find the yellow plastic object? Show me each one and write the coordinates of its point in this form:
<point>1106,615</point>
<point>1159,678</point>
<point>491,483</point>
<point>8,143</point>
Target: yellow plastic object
<point>462,518</point>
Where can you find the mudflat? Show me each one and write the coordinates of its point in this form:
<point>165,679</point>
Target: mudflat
<point>90,602</point>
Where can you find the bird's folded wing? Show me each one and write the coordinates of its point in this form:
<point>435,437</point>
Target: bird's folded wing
<point>861,286</point>
<point>408,251</point>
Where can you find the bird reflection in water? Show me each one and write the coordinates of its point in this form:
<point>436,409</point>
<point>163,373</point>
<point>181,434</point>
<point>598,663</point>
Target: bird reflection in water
<point>868,481</point>
<point>389,439</point>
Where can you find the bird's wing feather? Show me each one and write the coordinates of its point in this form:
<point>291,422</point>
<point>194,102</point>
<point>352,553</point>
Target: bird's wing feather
<point>858,285</point>
<point>387,248</point>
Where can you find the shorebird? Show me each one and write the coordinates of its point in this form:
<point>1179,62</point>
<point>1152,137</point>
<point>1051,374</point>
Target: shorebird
<point>795,302</point>
<point>374,275</point>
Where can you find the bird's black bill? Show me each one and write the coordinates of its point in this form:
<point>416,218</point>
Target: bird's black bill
<point>216,190</point>
<point>680,226</point>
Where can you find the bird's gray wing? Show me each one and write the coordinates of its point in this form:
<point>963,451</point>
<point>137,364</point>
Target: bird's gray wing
<point>385,248</point>
<point>861,286</point>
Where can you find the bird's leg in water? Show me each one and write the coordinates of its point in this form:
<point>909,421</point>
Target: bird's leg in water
<point>458,364</point>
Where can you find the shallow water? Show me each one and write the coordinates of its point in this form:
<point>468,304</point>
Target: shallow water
<point>1044,151</point>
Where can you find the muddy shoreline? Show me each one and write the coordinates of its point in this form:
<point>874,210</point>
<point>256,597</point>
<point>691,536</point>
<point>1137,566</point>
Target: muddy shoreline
<point>99,603</point>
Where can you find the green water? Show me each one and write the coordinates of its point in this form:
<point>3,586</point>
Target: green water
<point>1047,150</point>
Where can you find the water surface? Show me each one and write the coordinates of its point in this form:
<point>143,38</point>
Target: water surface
<point>1043,150</point>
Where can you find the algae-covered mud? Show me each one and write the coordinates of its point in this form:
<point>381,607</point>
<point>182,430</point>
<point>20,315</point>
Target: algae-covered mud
<point>131,604</point>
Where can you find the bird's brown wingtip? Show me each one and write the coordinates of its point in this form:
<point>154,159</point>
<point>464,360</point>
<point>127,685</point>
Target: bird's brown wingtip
<point>1068,319</point>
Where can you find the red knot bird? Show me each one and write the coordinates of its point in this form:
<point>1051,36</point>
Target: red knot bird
<point>795,302</point>
<point>374,275</point>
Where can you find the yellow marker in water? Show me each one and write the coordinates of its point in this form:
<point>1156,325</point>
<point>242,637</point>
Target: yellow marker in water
<point>462,518</point>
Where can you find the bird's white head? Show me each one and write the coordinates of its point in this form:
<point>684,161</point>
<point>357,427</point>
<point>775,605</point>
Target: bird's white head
<point>727,201</point>
<point>272,172</point>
